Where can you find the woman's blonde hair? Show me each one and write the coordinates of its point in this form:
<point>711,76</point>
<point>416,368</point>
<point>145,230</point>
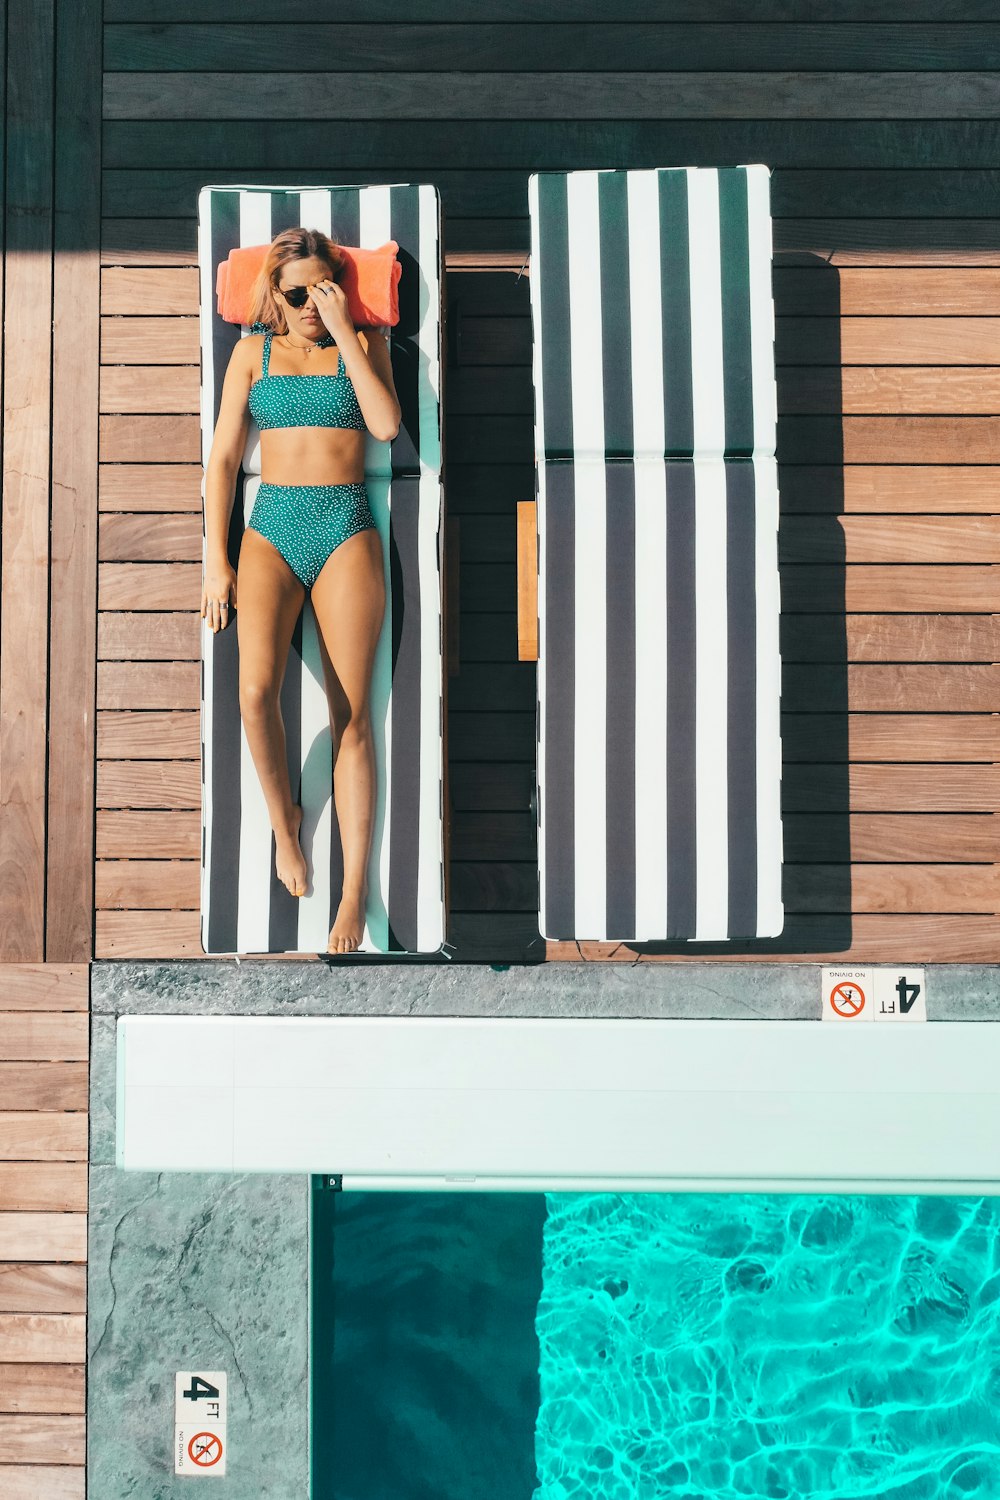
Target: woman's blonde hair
<point>290,244</point>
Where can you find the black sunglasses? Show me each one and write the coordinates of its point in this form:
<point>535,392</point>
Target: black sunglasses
<point>295,296</point>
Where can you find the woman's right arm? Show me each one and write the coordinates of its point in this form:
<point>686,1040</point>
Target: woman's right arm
<point>228,446</point>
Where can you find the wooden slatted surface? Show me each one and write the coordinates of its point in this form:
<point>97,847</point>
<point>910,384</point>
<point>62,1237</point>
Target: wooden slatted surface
<point>44,1049</point>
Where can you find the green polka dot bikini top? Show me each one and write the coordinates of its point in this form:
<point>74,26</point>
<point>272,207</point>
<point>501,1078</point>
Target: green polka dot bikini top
<point>304,400</point>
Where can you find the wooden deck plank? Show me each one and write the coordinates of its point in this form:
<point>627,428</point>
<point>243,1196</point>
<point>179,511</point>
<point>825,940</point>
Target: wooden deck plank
<point>126,735</point>
<point>871,939</point>
<point>43,1482</point>
<point>779,95</point>
<point>41,1439</point>
<point>41,1186</point>
<point>43,1085</point>
<point>832,736</point>
<point>154,884</point>
<point>893,540</point>
<point>45,987</point>
<point>881,390</point>
<point>885,341</point>
<point>35,1287</point>
<point>136,783</point>
<point>145,537</point>
<point>888,489</point>
<point>42,1338</point>
<point>75,344</point>
<point>40,1136</point>
<point>863,789</point>
<point>43,1237</point>
<point>891,888</point>
<point>131,835</point>
<point>176,636</point>
<point>910,639</point>
<point>149,388</point>
<point>150,487</point>
<point>24,543</point>
<point>60,1037</point>
<point>142,684</point>
<point>130,439</point>
<point>43,1388</point>
<point>141,586</point>
<point>174,341</point>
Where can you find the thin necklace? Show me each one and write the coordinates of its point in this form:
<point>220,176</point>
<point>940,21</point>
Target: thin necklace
<point>308,348</point>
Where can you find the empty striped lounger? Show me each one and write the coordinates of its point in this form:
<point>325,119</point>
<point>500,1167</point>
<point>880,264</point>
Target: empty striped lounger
<point>659,759</point>
<point>244,907</point>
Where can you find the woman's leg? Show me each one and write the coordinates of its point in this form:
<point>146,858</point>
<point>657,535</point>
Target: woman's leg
<point>349,601</point>
<point>269,597</point>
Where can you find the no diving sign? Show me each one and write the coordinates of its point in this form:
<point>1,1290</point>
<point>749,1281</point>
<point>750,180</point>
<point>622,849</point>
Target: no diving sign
<point>873,994</point>
<point>200,1423</point>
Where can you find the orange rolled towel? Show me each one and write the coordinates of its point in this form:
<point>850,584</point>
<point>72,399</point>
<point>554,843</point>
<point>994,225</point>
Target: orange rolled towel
<point>370,278</point>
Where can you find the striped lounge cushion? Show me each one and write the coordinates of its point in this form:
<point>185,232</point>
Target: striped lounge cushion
<point>245,908</point>
<point>659,757</point>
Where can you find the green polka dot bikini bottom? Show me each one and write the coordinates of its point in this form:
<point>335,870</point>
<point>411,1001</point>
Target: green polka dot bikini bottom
<point>308,522</point>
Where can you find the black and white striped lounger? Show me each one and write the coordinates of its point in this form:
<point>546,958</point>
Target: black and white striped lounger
<point>659,762</point>
<point>245,908</point>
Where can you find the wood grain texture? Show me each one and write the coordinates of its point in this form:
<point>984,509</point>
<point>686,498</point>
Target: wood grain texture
<point>149,934</point>
<point>142,684</point>
<point>131,438</point>
<point>43,1237</point>
<point>150,884</point>
<point>166,537</point>
<point>889,489</point>
<point>153,487</point>
<point>42,1338</point>
<point>149,388</point>
<point>891,888</point>
<point>28,1035</point>
<point>42,1388</point>
<point>149,341</point>
<point>923,789</point>
<point>131,835</point>
<point>43,1482</point>
<point>888,638</point>
<point>395,11</point>
<point>595,46</point>
<point>40,1288</point>
<point>40,1186</point>
<point>817,340</point>
<point>43,1085</point>
<point>124,636</point>
<point>73,512</point>
<point>26,1136</point>
<point>24,536</point>
<point>830,735</point>
<point>859,391</point>
<point>777,95</point>
<point>149,586</point>
<point>126,735</point>
<point>46,987</point>
<point>162,783</point>
<point>871,938</point>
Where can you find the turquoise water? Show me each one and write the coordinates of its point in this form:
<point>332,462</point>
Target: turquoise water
<point>783,1347</point>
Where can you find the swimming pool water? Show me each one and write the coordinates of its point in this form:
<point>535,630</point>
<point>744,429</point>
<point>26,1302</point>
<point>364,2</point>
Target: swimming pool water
<point>631,1346</point>
<point>809,1346</point>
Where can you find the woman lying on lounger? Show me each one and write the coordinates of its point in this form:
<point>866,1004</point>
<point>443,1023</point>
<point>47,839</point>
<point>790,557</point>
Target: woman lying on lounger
<point>310,528</point>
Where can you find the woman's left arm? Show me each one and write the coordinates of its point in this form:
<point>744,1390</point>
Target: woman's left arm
<point>368,365</point>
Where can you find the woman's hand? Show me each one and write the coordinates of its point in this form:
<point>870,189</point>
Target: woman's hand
<point>218,590</point>
<point>331,304</point>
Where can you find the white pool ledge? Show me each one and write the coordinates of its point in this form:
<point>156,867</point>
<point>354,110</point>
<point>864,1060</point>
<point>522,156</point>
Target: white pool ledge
<point>560,1104</point>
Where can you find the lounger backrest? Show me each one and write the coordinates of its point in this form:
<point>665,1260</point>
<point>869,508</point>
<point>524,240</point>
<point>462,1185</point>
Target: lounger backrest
<point>244,906</point>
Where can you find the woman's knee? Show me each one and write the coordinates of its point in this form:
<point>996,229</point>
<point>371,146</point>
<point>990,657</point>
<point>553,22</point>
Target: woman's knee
<point>354,728</point>
<point>258,697</point>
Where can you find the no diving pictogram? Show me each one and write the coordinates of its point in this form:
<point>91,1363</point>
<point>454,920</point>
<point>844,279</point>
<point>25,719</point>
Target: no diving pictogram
<point>847,999</point>
<point>205,1449</point>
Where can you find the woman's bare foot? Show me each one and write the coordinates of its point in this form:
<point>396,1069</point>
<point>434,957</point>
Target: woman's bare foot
<point>348,929</point>
<point>289,861</point>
